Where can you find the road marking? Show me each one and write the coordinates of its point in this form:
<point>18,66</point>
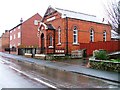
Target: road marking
<point>2,62</point>
<point>36,79</point>
<point>45,83</point>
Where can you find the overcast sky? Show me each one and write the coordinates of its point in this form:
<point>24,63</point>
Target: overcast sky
<point>11,11</point>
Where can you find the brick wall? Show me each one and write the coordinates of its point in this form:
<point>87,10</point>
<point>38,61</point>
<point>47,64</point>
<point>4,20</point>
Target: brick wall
<point>109,46</point>
<point>83,28</point>
<point>29,31</point>
<point>4,41</point>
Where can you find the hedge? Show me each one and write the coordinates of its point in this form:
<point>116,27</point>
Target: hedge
<point>105,65</point>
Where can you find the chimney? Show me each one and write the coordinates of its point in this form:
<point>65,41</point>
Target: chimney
<point>6,30</point>
<point>103,20</point>
<point>21,20</point>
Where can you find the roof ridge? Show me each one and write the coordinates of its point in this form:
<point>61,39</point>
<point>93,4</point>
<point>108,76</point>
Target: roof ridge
<point>75,12</point>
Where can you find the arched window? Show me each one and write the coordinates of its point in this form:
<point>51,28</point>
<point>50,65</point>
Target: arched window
<point>75,35</point>
<point>104,36</point>
<point>91,35</point>
<point>59,35</point>
<point>51,41</point>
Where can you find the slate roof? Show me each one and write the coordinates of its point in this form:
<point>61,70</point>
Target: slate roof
<point>50,27</point>
<point>78,15</point>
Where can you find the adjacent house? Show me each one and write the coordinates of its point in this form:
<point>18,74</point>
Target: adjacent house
<point>4,41</point>
<point>23,37</point>
<point>62,31</point>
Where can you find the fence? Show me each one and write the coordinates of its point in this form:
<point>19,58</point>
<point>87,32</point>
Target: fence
<point>109,46</point>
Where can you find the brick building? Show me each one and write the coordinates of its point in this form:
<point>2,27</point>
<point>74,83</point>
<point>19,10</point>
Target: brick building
<point>23,37</point>
<point>62,31</point>
<point>4,41</point>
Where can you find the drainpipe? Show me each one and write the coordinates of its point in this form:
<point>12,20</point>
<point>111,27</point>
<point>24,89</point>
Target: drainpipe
<point>54,42</point>
<point>66,35</point>
<point>21,21</point>
<point>9,42</point>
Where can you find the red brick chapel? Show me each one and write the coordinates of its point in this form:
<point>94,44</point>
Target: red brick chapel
<point>62,31</point>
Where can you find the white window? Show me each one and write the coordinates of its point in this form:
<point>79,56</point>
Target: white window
<point>91,35</point>
<point>10,46</point>
<point>14,36</point>
<point>10,31</point>
<point>18,34</point>
<point>51,42</point>
<point>59,36</point>
<point>75,35</point>
<point>36,22</point>
<point>10,37</point>
<point>104,36</point>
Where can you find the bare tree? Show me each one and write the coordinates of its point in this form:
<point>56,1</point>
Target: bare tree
<point>113,13</point>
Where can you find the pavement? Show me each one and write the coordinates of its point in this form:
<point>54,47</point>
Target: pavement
<point>105,75</point>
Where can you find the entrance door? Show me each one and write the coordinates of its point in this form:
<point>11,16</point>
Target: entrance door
<point>42,43</point>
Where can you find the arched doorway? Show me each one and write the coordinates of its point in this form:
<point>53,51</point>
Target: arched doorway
<point>42,43</point>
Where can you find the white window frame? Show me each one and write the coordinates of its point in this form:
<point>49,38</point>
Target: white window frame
<point>10,37</point>
<point>19,35</point>
<point>104,36</point>
<point>91,35</point>
<point>10,45</point>
<point>75,35</point>
<point>59,36</point>
<point>51,42</point>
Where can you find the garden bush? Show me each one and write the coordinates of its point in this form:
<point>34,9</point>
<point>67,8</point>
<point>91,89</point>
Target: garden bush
<point>105,65</point>
<point>101,54</point>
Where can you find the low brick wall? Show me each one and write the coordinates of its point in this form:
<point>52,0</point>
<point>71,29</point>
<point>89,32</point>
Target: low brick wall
<point>105,65</point>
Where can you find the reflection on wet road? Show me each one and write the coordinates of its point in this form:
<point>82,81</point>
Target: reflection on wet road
<point>11,79</point>
<point>59,78</point>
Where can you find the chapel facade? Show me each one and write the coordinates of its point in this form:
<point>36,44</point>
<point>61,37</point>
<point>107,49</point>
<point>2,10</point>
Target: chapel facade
<point>62,31</point>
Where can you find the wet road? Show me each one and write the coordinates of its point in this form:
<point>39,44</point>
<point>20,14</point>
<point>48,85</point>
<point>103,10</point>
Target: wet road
<point>13,74</point>
<point>10,78</point>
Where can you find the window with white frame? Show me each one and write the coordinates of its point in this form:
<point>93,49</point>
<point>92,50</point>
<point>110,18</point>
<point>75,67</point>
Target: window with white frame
<point>59,35</point>
<point>10,37</point>
<point>10,46</point>
<point>91,35</point>
<point>51,41</point>
<point>104,36</point>
<point>18,34</point>
<point>75,35</point>
<point>14,36</point>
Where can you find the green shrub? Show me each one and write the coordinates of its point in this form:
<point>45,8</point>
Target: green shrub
<point>101,54</point>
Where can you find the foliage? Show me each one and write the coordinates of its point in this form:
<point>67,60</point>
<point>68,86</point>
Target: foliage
<point>52,57</point>
<point>101,54</point>
<point>113,12</point>
<point>115,60</point>
<point>107,66</point>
